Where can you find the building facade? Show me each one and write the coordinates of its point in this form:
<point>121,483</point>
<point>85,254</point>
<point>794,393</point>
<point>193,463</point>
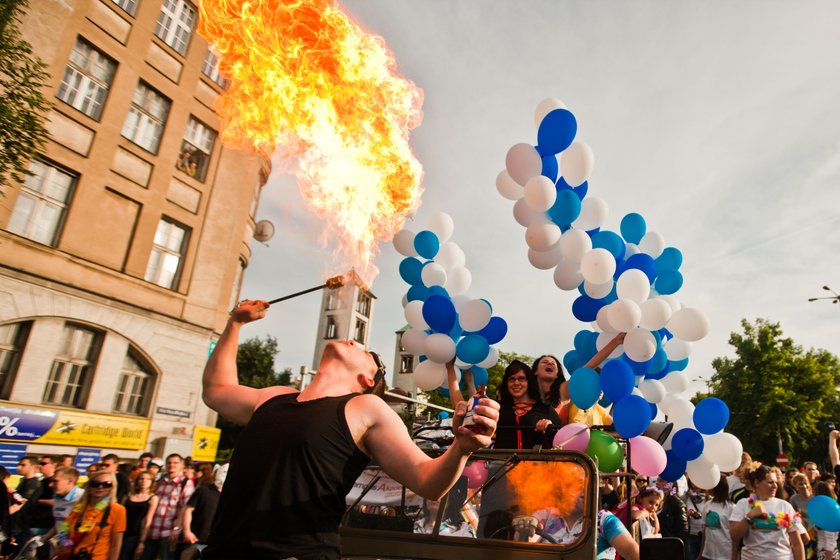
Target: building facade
<point>123,251</point>
<point>346,314</point>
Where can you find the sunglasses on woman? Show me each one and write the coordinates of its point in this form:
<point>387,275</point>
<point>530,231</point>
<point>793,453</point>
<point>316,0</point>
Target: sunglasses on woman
<point>98,484</point>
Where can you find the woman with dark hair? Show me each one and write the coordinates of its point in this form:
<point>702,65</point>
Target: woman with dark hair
<point>768,526</point>
<point>716,544</point>
<point>524,419</point>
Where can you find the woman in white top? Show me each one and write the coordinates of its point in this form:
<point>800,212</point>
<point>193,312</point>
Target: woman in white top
<point>716,544</point>
<point>767,525</point>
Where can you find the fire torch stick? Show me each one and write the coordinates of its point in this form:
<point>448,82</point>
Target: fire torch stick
<point>331,284</point>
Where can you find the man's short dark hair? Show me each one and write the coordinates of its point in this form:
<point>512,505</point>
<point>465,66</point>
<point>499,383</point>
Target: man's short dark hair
<point>110,457</point>
<point>69,472</point>
<point>48,458</point>
<point>31,459</point>
<point>146,455</point>
<point>175,455</point>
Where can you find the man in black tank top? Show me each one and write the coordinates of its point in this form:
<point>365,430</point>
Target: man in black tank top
<point>300,453</point>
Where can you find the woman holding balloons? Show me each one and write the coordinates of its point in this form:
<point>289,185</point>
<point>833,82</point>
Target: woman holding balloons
<point>524,419</point>
<point>768,526</point>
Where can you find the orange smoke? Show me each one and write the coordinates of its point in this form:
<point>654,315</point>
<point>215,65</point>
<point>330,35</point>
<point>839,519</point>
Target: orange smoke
<point>305,77</point>
<point>545,485</point>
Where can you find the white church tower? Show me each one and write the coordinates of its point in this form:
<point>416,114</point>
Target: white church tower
<point>404,364</point>
<point>346,314</point>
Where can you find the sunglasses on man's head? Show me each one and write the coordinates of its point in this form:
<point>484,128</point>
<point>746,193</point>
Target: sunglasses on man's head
<point>98,484</point>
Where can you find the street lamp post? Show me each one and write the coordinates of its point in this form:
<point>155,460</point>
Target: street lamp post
<point>834,298</point>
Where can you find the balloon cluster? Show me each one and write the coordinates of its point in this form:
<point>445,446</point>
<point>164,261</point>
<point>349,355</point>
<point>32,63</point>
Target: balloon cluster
<point>627,281</point>
<point>445,323</point>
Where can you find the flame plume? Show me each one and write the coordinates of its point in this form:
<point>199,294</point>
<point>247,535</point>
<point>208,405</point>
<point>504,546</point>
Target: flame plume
<point>533,492</point>
<point>304,76</point>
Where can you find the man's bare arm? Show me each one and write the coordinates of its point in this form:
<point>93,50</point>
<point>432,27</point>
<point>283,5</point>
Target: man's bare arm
<point>832,448</point>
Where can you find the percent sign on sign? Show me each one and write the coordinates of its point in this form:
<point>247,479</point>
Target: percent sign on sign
<point>7,426</point>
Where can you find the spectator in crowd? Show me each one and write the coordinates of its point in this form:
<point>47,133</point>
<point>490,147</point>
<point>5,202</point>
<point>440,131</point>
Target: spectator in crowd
<point>644,512</point>
<point>66,461</point>
<point>693,499</point>
<point>812,471</point>
<point>524,419</point>
<point>29,491</point>
<point>788,481</point>
<point>769,527</point>
<point>826,540</point>
<point>738,480</point>
<point>42,518</point>
<point>673,517</point>
<point>111,463</point>
<point>66,494</point>
<point>5,515</point>
<point>92,468</point>
<point>781,493</point>
<point>139,507</point>
<point>802,489</point>
<point>173,492</point>
<point>199,513</point>
<point>204,474</point>
<point>716,544</point>
<point>155,465</point>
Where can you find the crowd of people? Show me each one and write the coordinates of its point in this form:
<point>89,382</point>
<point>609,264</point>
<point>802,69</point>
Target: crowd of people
<point>117,510</point>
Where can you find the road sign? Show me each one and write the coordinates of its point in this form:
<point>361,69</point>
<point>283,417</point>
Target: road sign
<point>781,460</point>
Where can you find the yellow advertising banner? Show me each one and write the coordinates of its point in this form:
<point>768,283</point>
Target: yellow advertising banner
<point>70,427</point>
<point>205,443</point>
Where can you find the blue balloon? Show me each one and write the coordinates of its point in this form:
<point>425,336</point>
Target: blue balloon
<point>633,227</point>
<point>674,468</point>
<point>591,348</point>
<point>427,244</point>
<point>443,414</point>
<point>444,392</point>
<point>687,443</point>
<point>658,374</point>
<point>612,296</point>
<point>456,331</point>
<point>556,132</point>
<point>654,410</point>
<point>549,167</point>
<point>824,513</point>
<point>670,259</point>
<point>639,368</point>
<point>711,416</point>
<point>643,262</point>
<point>438,291</point>
<point>417,292</point>
<point>439,313</point>
<point>566,207</point>
<point>581,339</point>
<point>677,365</point>
<point>659,361</point>
<point>495,330</point>
<point>585,309</point>
<point>631,416</point>
<point>605,402</point>
<point>581,190</point>
<point>610,241</point>
<point>668,282</point>
<point>617,380</point>
<point>584,388</point>
<point>665,334</point>
<point>480,375</point>
<point>591,232</point>
<point>410,269</point>
<point>572,360</point>
<point>472,349</point>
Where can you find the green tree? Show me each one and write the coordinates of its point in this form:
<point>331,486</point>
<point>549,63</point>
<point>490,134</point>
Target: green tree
<point>775,389</point>
<point>22,103</point>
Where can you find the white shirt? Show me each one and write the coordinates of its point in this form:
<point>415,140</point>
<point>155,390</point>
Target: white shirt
<point>717,544</point>
<point>765,540</point>
<point>63,505</point>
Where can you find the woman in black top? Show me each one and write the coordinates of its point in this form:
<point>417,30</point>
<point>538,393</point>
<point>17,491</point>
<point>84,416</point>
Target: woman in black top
<point>524,419</point>
<point>140,503</point>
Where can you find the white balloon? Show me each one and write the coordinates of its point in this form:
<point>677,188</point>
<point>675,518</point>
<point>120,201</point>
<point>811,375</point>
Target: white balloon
<point>404,300</point>
<point>597,291</point>
<point>523,162</point>
<point>603,320</point>
<point>428,375</point>
<point>574,244</point>
<point>603,339</point>
<point>474,315</point>
<point>414,340</point>
<point>724,450</point>
<point>593,214</point>
<point>639,345</point>
<point>703,473</point>
<point>414,315</point>
<point>672,302</point>
<point>507,187</point>
<point>540,193</point>
<point>544,260</point>
<point>442,225</point>
<point>525,215</point>
<point>689,324</point>
<point>458,281</point>
<point>655,314</point>
<point>624,315</point>
<point>567,275</point>
<point>433,274</point>
<point>404,243</point>
<point>461,365</point>
<point>545,107</point>
<point>440,348</point>
<point>598,266</point>
<point>631,249</point>
<point>677,349</point>
<point>652,243</point>
<point>490,360</point>
<point>450,256</point>
<point>679,410</point>
<point>652,390</point>
<point>633,284</point>
<point>542,236</point>
<point>576,163</point>
<point>675,382</point>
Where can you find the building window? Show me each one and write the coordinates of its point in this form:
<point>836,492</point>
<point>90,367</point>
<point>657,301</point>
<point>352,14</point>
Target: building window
<point>361,327</point>
<point>167,256</point>
<point>42,203</point>
<point>146,117</point>
<point>211,69</point>
<point>332,301</point>
<point>407,364</point>
<point>332,329</point>
<point>86,80</point>
<point>72,370</point>
<point>175,24</point>
<point>194,156</point>
<point>363,304</point>
<point>135,389</point>
<point>130,6</point>
<point>12,342</point>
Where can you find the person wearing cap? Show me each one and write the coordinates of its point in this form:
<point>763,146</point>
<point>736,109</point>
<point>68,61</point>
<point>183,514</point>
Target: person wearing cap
<point>155,465</point>
<point>300,452</point>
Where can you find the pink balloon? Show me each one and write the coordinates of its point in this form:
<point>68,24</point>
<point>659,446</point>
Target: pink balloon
<point>578,442</point>
<point>476,473</point>
<point>646,456</point>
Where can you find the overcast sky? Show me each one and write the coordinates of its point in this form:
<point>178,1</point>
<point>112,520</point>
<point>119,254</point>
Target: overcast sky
<point>718,121</point>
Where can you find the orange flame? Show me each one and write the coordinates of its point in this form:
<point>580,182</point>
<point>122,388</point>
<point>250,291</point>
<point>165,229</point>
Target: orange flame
<point>533,491</point>
<point>304,76</point>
